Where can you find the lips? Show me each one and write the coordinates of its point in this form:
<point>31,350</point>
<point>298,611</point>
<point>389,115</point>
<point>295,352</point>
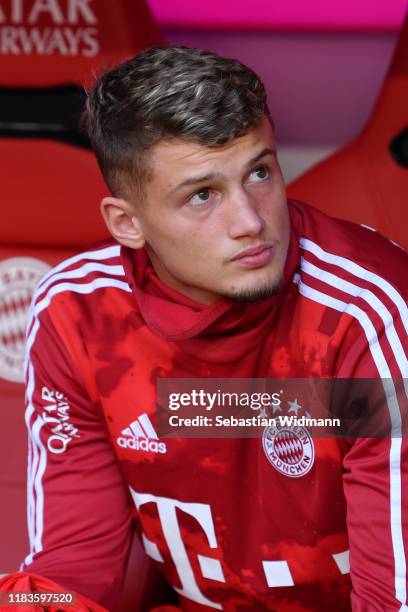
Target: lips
<point>254,257</point>
<point>255,250</point>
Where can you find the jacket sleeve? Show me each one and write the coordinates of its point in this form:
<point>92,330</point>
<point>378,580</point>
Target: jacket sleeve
<point>79,513</point>
<point>375,486</point>
<point>376,474</point>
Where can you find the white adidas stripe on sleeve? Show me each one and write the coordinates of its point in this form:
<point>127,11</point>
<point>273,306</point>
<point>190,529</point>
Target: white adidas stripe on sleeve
<point>358,272</point>
<point>37,458</point>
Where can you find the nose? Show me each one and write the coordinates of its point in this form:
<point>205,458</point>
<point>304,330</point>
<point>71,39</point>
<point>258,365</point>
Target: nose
<point>244,216</point>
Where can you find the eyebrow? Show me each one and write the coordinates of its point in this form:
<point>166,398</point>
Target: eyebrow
<point>214,175</point>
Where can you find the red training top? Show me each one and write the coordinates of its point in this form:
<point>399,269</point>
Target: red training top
<point>232,525</point>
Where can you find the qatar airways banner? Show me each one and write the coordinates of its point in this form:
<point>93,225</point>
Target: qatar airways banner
<point>46,26</point>
<point>49,42</point>
<point>377,15</point>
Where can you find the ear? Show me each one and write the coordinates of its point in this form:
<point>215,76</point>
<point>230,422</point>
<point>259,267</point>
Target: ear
<point>122,222</point>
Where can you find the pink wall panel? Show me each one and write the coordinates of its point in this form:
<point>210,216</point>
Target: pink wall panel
<point>337,76</point>
<point>368,15</point>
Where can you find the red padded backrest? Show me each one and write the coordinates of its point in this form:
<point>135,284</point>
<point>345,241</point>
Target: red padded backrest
<point>362,182</point>
<point>51,193</point>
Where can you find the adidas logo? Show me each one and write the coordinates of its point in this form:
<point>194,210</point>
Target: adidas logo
<point>140,435</point>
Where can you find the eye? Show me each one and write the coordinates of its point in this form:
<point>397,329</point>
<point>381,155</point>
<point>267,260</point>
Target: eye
<point>200,198</point>
<point>260,174</point>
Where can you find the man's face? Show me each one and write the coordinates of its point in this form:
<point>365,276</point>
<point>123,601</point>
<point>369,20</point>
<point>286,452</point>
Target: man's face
<point>215,220</point>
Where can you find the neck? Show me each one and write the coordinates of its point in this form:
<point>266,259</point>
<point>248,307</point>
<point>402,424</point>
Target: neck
<point>194,293</point>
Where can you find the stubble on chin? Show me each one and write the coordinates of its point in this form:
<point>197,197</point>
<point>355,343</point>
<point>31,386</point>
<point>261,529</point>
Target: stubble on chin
<point>256,294</point>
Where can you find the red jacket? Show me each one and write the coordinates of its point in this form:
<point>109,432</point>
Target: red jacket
<point>229,527</point>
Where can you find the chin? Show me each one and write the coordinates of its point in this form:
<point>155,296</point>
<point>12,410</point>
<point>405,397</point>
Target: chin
<point>256,293</point>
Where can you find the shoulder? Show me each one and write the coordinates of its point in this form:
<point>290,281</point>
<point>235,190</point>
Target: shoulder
<point>80,277</point>
<point>357,254</point>
<point>360,278</point>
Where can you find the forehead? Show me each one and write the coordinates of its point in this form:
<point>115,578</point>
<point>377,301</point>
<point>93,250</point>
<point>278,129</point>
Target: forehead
<point>177,159</point>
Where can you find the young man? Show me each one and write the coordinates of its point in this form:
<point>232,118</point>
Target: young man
<point>212,274</point>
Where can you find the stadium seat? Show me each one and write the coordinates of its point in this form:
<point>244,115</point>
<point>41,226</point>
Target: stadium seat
<point>367,181</point>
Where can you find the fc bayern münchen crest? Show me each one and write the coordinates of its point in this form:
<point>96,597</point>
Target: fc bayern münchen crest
<point>18,278</point>
<point>289,449</point>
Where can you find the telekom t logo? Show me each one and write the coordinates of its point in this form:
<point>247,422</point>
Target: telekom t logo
<point>277,573</point>
<point>210,568</point>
